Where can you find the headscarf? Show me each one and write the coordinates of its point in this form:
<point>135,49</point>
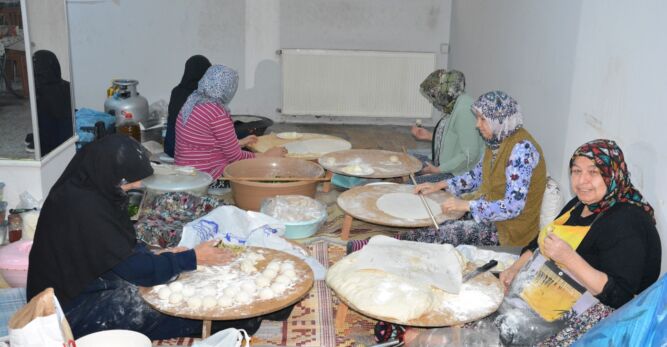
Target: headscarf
<point>195,68</point>
<point>84,228</point>
<point>503,114</point>
<point>54,102</point>
<point>609,159</point>
<point>217,86</point>
<point>441,88</point>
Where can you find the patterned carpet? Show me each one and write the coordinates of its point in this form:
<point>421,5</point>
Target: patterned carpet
<point>312,321</point>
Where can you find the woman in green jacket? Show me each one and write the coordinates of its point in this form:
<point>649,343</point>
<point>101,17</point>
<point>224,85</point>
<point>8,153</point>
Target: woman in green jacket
<point>456,145</point>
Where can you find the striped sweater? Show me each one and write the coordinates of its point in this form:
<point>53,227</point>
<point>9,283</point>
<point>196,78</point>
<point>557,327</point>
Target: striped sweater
<point>208,141</point>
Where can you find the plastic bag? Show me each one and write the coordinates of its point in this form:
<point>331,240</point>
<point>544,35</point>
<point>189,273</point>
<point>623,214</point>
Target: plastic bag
<point>41,323</point>
<point>91,124</point>
<point>640,322</point>
<point>27,202</point>
<point>157,114</point>
<point>230,337</point>
<point>230,224</point>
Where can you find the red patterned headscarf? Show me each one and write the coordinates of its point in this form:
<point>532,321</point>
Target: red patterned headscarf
<point>608,158</point>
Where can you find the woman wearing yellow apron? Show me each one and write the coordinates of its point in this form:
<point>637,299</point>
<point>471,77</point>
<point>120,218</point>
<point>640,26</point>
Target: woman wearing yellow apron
<point>597,255</point>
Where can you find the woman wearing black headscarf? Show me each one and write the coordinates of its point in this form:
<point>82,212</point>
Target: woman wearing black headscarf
<point>195,67</point>
<point>54,102</point>
<point>85,248</point>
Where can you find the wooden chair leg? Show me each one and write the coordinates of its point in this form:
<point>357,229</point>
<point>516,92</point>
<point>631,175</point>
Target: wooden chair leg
<point>347,226</point>
<point>206,329</point>
<point>341,314</point>
<point>326,186</point>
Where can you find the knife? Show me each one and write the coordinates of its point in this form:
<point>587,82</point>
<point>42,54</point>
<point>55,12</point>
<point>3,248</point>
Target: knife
<point>486,267</point>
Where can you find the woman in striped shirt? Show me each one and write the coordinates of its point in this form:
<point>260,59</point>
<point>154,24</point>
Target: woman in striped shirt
<point>205,136</point>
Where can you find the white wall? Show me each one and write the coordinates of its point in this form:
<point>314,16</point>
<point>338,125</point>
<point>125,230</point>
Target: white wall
<point>48,30</point>
<point>581,70</point>
<point>150,40</point>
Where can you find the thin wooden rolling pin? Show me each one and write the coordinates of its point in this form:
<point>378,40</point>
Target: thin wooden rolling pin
<point>274,179</point>
<point>428,209</point>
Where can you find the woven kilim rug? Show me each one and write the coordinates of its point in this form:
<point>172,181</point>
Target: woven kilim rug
<point>311,323</point>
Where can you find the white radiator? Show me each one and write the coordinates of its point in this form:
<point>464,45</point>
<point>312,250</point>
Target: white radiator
<point>355,83</point>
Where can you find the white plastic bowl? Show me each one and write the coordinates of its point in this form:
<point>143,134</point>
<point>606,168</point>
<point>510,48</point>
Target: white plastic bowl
<point>114,338</point>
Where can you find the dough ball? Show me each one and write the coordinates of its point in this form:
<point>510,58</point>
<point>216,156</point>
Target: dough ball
<point>176,286</point>
<point>249,287</point>
<point>269,273</point>
<point>330,161</point>
<point>164,293</point>
<point>278,287</point>
<point>353,169</point>
<point>243,298</point>
<point>175,298</point>
<point>188,291</point>
<point>225,301</point>
<point>208,302</point>
<point>248,266</point>
<point>194,303</point>
<point>231,291</point>
<point>262,281</point>
<point>208,291</point>
<point>274,265</point>
<point>266,294</point>
<point>291,274</point>
<point>288,265</point>
<point>394,159</point>
<point>283,279</point>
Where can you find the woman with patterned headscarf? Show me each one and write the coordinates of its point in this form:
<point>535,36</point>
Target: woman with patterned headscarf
<point>601,251</point>
<point>455,143</point>
<point>503,191</point>
<point>205,136</point>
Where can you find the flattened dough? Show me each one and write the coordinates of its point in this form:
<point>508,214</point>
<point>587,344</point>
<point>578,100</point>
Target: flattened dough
<point>317,146</point>
<point>406,206</point>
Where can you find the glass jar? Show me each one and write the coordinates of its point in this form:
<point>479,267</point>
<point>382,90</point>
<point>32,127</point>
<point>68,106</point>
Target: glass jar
<point>3,232</point>
<point>15,227</point>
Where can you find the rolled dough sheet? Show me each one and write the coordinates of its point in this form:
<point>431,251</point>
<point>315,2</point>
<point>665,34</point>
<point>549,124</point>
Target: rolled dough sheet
<point>406,206</point>
<point>317,146</point>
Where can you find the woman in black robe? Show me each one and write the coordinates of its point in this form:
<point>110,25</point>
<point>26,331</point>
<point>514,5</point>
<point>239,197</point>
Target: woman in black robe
<point>195,67</point>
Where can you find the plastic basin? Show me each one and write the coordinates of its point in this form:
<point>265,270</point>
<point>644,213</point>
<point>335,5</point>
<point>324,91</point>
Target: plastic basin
<point>113,338</point>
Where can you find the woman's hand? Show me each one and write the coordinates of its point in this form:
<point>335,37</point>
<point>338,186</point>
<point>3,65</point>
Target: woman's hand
<point>430,169</point>
<point>274,152</point>
<point>248,140</point>
<point>508,275</point>
<point>208,254</point>
<point>554,248</point>
<point>455,205</point>
<point>428,188</point>
<point>421,134</point>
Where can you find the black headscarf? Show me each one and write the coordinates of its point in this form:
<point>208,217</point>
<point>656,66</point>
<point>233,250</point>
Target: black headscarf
<point>195,68</point>
<point>54,103</point>
<point>84,228</point>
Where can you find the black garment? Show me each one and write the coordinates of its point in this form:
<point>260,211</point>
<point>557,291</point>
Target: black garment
<point>195,68</point>
<point>54,102</point>
<point>623,243</point>
<point>84,228</point>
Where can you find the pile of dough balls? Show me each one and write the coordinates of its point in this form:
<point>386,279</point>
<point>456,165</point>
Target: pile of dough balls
<point>276,277</point>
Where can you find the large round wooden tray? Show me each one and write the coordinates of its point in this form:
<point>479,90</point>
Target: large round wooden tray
<point>378,160</point>
<point>257,308</point>
<point>266,142</point>
<point>360,203</point>
<point>441,317</point>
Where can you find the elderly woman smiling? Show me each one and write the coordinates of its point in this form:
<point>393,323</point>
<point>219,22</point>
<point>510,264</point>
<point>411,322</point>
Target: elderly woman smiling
<point>597,255</point>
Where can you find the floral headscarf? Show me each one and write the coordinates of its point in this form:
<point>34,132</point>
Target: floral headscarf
<point>503,114</point>
<point>217,86</point>
<point>608,158</point>
<point>441,88</point>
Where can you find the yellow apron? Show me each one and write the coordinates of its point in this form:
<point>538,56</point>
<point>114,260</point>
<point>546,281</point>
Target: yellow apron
<point>553,293</point>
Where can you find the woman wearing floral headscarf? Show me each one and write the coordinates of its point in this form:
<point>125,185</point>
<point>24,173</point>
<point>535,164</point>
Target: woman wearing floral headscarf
<point>507,184</point>
<point>205,136</point>
<point>455,143</point>
<point>604,248</point>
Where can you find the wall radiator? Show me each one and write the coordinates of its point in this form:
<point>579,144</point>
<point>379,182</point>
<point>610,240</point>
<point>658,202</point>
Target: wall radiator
<point>355,83</point>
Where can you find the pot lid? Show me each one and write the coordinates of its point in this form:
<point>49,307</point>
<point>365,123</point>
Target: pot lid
<point>14,256</point>
<point>174,178</point>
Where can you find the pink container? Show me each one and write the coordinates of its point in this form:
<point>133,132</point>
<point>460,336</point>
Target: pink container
<point>14,262</point>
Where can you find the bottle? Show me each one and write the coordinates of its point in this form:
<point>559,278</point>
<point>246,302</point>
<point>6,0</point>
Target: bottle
<point>15,227</point>
<point>129,127</point>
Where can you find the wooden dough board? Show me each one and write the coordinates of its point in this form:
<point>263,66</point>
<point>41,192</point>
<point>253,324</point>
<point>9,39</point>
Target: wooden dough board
<point>257,308</point>
<point>441,318</point>
<point>360,203</point>
<point>377,159</point>
<point>266,142</point>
